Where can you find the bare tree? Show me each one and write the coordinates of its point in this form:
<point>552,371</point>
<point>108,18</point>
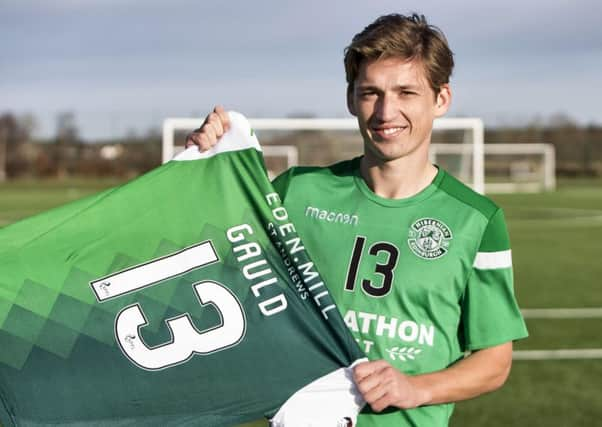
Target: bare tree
<point>2,154</point>
<point>14,132</point>
<point>10,135</point>
<point>66,138</point>
<point>66,129</point>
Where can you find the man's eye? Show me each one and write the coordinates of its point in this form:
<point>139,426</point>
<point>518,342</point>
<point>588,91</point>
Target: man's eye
<point>366,94</point>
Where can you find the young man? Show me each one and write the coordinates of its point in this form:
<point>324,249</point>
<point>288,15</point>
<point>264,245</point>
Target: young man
<point>418,263</point>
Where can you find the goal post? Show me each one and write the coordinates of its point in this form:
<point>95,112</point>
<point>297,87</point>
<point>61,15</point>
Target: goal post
<point>470,167</point>
<point>531,167</point>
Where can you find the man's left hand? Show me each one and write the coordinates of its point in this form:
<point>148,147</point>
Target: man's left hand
<point>381,385</point>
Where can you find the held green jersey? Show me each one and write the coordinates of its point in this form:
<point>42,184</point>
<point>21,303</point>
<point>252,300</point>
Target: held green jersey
<point>182,298</point>
<point>418,280</point>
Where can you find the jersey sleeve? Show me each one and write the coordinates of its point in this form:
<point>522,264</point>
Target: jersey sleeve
<point>490,313</point>
<point>282,182</point>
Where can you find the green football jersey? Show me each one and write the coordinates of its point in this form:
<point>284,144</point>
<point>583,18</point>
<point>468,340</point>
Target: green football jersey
<point>419,280</point>
<point>184,297</point>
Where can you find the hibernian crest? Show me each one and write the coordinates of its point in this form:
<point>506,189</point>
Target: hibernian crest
<point>429,238</point>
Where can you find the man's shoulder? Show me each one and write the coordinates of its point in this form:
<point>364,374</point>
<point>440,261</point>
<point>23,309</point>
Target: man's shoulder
<point>300,176</point>
<point>461,192</point>
<point>339,169</point>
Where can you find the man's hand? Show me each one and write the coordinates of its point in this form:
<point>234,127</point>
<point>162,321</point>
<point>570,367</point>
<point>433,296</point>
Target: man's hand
<point>215,125</point>
<point>382,385</point>
<point>481,372</point>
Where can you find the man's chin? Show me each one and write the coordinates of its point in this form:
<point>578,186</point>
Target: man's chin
<point>378,156</point>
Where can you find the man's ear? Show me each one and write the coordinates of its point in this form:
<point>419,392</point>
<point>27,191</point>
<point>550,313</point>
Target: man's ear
<point>350,104</point>
<point>443,100</point>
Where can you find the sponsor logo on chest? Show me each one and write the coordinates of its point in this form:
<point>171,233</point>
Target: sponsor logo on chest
<point>429,238</point>
<point>331,216</point>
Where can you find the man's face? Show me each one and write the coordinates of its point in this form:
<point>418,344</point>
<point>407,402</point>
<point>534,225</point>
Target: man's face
<point>395,108</point>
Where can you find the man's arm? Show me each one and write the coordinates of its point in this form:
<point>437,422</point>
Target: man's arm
<point>481,372</point>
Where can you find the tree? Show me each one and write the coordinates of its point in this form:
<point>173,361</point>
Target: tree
<point>2,154</point>
<point>13,131</point>
<point>66,138</point>
<point>66,129</point>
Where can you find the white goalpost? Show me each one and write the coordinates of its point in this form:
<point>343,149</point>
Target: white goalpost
<point>470,167</point>
<point>510,168</point>
<point>530,167</point>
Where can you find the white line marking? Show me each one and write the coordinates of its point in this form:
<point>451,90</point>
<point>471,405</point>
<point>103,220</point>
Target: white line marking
<point>560,216</point>
<point>562,313</point>
<point>593,221</point>
<point>564,354</point>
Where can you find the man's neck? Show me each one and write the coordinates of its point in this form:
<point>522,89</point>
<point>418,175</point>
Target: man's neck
<point>397,179</point>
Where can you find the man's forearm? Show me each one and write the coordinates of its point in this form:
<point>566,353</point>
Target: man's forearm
<point>481,372</point>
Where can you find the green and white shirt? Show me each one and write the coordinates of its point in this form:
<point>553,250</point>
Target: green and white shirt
<point>184,297</point>
<point>419,281</point>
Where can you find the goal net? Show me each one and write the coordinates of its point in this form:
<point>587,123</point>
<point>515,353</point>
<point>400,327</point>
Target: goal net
<point>509,168</point>
<point>318,142</point>
<point>519,168</point>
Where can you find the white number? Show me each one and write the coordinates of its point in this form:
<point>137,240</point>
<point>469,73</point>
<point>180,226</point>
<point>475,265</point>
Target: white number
<point>186,340</point>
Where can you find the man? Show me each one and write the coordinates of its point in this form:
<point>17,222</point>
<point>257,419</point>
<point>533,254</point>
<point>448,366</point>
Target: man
<point>421,269</point>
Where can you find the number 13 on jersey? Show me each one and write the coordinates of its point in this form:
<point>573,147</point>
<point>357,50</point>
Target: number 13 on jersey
<point>186,340</point>
<point>385,270</point>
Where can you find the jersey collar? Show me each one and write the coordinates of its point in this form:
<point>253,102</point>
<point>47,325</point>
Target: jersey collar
<point>394,203</point>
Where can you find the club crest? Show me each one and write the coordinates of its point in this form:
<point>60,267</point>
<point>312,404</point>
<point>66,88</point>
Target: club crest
<point>429,238</point>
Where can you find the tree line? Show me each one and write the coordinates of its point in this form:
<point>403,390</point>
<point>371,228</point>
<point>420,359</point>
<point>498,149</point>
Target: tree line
<point>578,148</point>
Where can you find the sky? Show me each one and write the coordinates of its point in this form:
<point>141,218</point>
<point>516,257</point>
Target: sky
<point>122,66</point>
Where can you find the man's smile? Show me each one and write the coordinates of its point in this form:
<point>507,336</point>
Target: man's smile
<point>388,132</point>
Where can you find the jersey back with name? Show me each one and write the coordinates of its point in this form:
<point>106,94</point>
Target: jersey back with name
<point>182,298</point>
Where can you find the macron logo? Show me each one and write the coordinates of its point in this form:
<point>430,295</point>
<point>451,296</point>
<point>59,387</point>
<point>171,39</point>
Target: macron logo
<point>331,216</point>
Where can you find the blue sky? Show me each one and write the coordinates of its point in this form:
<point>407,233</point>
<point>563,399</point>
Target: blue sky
<point>126,65</point>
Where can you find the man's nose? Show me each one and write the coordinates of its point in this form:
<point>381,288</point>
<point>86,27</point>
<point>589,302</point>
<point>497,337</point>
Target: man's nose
<point>387,108</point>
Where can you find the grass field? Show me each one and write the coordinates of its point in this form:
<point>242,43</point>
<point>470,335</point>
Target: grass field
<point>557,247</point>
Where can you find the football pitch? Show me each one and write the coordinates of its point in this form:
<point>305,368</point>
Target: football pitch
<point>557,250</point>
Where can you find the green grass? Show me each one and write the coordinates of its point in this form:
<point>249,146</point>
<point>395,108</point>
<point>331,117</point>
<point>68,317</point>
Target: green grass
<point>546,334</point>
<point>557,241</point>
<point>540,394</point>
<point>557,245</point>
<point>21,199</point>
<point>557,250</point>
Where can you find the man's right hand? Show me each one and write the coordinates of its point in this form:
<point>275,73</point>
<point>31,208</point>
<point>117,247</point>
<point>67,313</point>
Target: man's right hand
<point>215,125</point>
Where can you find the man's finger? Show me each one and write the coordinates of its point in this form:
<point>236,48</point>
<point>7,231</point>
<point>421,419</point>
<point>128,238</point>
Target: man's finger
<point>214,121</point>
<point>192,139</point>
<point>376,394</point>
<point>381,403</point>
<point>365,369</point>
<point>224,117</point>
<point>209,133</point>
<point>368,383</point>
<point>202,142</point>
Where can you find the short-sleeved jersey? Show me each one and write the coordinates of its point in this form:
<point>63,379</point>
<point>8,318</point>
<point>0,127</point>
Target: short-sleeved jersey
<point>419,280</point>
<point>184,297</point>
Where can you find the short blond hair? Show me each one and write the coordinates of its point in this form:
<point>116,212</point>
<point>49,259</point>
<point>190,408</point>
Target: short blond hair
<point>408,37</point>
